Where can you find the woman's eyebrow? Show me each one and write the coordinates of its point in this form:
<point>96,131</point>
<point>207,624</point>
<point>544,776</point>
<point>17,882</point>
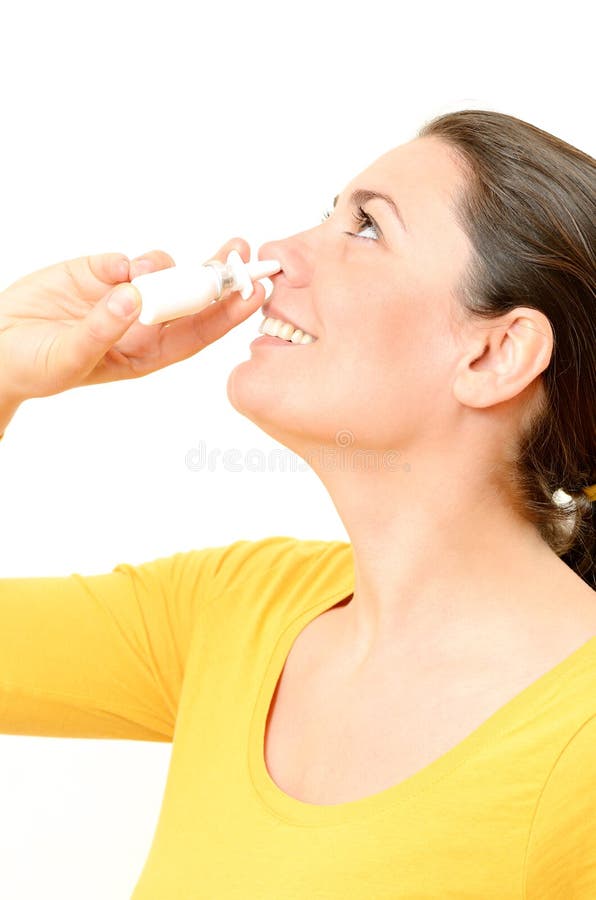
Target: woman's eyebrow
<point>361,195</point>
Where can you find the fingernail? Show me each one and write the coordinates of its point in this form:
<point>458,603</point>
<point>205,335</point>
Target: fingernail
<point>124,300</point>
<point>122,269</point>
<point>140,266</point>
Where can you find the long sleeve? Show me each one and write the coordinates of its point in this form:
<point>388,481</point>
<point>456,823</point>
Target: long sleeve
<point>102,656</point>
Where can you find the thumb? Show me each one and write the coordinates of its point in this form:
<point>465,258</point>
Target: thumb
<point>123,301</point>
<point>92,337</point>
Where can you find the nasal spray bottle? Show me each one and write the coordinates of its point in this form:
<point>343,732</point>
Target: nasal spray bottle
<point>182,290</point>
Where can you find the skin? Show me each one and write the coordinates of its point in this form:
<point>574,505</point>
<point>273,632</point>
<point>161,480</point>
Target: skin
<point>440,555</point>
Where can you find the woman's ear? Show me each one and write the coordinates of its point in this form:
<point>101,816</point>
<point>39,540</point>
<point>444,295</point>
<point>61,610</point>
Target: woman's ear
<point>503,356</point>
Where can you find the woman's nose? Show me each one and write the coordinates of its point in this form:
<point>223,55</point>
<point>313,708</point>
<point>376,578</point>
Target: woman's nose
<point>296,256</point>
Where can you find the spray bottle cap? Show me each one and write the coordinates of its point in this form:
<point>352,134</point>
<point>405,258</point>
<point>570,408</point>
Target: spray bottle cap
<point>244,274</point>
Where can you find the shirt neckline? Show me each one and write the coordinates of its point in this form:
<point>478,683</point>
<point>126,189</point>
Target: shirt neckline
<point>301,813</point>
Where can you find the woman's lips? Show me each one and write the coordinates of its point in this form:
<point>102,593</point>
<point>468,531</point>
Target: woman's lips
<point>272,341</point>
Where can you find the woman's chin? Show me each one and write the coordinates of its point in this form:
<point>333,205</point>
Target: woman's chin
<point>237,388</point>
<point>250,396</point>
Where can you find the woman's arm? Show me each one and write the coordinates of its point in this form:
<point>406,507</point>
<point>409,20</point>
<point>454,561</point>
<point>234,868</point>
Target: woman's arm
<point>102,656</point>
<point>99,655</point>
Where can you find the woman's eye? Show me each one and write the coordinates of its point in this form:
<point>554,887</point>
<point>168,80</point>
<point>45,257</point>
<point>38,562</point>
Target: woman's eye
<point>363,220</point>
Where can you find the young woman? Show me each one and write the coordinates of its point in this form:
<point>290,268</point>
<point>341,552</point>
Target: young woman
<point>413,713</point>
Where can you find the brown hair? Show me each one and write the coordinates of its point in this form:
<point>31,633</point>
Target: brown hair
<point>529,210</point>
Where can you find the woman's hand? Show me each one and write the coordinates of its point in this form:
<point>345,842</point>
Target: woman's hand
<point>58,331</point>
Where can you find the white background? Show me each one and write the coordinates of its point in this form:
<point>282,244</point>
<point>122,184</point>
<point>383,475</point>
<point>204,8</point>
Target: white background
<point>132,126</point>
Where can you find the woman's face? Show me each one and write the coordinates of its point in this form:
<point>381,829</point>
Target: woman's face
<point>377,295</point>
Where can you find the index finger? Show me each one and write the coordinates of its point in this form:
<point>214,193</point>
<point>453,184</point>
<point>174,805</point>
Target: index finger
<point>110,268</point>
<point>92,275</point>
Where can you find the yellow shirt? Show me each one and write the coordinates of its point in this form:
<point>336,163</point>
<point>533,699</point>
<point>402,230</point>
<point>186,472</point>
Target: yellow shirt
<point>189,648</point>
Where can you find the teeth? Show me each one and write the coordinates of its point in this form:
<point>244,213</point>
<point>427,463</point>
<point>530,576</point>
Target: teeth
<point>281,329</point>
<point>285,331</point>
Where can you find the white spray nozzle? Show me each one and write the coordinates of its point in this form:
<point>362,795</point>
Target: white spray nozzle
<point>245,273</point>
